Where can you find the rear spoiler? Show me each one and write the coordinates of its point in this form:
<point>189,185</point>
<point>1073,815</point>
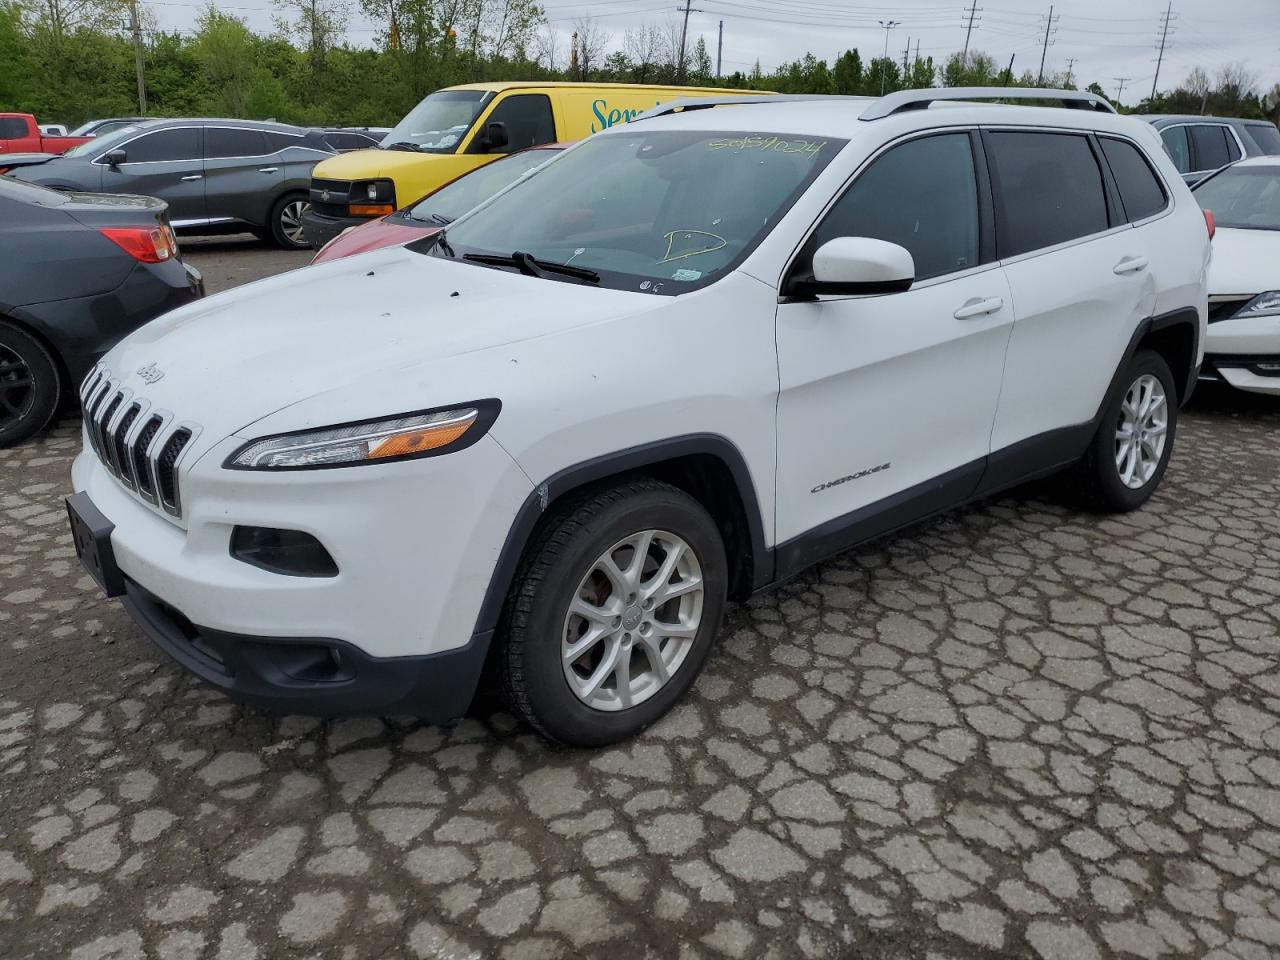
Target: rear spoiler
<point>9,161</point>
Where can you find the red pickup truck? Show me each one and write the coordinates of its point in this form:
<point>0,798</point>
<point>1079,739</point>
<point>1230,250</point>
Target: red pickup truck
<point>20,134</point>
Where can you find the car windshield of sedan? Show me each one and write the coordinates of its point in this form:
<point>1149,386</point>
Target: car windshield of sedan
<point>91,148</point>
<point>437,123</point>
<point>454,199</point>
<point>659,212</point>
<point>1243,198</point>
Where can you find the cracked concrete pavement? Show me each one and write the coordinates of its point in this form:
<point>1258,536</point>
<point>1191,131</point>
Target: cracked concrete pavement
<point>1015,731</point>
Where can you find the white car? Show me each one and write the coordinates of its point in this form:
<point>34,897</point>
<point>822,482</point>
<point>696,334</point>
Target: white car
<point>681,362</point>
<point>1243,342</point>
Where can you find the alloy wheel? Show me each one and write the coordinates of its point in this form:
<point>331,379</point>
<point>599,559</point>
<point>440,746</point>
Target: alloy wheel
<point>632,621</point>
<point>17,387</point>
<point>1141,431</point>
<point>291,220</point>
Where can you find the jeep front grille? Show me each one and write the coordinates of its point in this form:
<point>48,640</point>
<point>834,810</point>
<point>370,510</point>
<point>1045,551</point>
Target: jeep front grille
<point>142,447</point>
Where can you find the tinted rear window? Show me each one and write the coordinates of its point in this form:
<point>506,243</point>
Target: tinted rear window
<point>1140,189</point>
<point>231,142</point>
<point>1210,140</point>
<point>1266,136</point>
<point>1048,191</point>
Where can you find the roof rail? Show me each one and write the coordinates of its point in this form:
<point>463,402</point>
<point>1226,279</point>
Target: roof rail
<point>905,100</point>
<point>702,103</point>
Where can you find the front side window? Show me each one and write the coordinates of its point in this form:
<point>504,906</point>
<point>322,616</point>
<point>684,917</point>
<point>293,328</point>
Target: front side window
<point>1211,143</point>
<point>233,142</point>
<point>659,212</point>
<point>438,123</point>
<point>1245,197</point>
<point>453,200</point>
<point>922,195</point>
<point>1048,190</point>
<point>527,117</point>
<point>12,128</point>
<point>1140,189</point>
<point>101,144</point>
<point>182,143</point>
<point>1177,146</point>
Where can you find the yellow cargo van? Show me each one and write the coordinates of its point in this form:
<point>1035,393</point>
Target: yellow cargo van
<point>457,129</point>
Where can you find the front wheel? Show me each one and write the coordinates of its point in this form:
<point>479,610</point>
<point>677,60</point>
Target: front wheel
<point>614,612</point>
<point>286,222</point>
<point>1130,453</point>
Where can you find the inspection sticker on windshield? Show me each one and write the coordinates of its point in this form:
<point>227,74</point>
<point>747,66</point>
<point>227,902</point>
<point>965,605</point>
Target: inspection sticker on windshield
<point>686,275</point>
<point>757,142</point>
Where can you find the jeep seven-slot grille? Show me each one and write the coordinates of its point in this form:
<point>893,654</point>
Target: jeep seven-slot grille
<point>142,448</point>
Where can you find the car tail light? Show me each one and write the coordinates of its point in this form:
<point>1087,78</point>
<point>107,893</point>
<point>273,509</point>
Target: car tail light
<point>145,244</point>
<point>1208,222</point>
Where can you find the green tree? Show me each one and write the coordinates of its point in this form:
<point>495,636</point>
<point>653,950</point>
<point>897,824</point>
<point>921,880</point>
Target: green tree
<point>846,75</point>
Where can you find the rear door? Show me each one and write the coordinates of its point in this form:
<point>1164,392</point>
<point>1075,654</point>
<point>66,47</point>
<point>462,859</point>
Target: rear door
<point>1082,279</point>
<point>881,396</point>
<point>168,164</point>
<point>242,174</point>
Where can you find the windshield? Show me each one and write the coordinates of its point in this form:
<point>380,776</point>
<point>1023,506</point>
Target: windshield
<point>101,144</point>
<point>661,212</point>
<point>454,199</point>
<point>438,122</point>
<point>1246,198</point>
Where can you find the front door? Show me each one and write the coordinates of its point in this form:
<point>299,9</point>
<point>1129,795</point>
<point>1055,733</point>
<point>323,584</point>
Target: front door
<point>167,164</point>
<point>242,174</point>
<point>887,402</point>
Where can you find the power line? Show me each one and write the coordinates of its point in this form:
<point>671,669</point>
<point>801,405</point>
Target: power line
<point>964,57</point>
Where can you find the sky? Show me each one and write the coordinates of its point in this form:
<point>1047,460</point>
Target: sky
<point>1105,39</point>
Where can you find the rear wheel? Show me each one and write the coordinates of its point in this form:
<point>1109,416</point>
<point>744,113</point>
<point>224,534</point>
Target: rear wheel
<point>1130,453</point>
<point>29,385</point>
<point>286,221</point>
<point>614,612</point>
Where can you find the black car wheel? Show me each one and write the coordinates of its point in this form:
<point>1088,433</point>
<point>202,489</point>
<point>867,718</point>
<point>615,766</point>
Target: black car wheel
<point>286,221</point>
<point>29,385</point>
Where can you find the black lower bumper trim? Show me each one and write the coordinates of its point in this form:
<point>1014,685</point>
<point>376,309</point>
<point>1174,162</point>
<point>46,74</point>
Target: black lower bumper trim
<point>1260,364</point>
<point>319,229</point>
<point>321,677</point>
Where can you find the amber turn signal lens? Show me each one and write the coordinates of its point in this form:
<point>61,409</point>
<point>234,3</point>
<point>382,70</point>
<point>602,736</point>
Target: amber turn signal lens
<point>370,209</point>
<point>419,441</point>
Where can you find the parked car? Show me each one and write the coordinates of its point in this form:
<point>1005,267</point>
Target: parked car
<point>19,133</point>
<point>52,130</point>
<point>1200,145</point>
<point>344,139</point>
<point>218,176</point>
<point>1243,342</point>
<point>432,212</point>
<point>77,273</point>
<point>684,361</point>
<point>96,128</point>
<point>457,129</point>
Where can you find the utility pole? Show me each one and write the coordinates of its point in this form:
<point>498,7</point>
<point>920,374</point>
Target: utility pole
<point>1071,62</point>
<point>1048,34</point>
<point>687,9</point>
<point>135,26</point>
<point>906,52</point>
<point>1164,36</point>
<point>971,11</point>
<point>888,25</point>
<point>1121,81</point>
<point>1008,74</point>
<point>719,49</point>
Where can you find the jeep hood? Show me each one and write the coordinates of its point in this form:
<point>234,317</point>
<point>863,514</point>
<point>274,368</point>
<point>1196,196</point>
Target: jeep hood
<point>229,360</point>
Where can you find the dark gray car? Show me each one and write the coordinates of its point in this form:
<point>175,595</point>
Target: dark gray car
<point>1201,145</point>
<point>218,176</point>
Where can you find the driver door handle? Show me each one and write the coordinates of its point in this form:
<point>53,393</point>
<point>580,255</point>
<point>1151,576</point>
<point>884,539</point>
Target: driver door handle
<point>978,307</point>
<point>194,176</point>
<point>1130,265</point>
<point>268,169</point>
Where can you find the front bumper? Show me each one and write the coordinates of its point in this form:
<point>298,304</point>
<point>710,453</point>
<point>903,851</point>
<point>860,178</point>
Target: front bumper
<point>320,228</point>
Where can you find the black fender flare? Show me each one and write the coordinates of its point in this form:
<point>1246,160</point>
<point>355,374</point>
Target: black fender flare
<point>614,464</point>
<point>1188,316</point>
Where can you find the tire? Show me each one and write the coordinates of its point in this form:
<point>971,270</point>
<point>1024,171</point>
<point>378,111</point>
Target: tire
<point>563,563</point>
<point>1109,482</point>
<point>286,221</point>
<point>30,386</point>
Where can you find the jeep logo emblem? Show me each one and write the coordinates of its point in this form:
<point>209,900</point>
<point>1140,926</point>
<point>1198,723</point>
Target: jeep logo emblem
<point>151,373</point>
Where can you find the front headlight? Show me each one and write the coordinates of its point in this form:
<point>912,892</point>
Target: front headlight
<point>1263,305</point>
<point>372,198</point>
<point>371,441</point>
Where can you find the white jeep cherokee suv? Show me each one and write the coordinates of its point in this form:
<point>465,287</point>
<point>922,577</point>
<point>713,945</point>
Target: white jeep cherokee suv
<point>682,361</point>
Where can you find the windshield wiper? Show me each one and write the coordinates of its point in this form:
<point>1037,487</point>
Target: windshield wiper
<point>526,264</point>
<point>442,242</point>
<point>402,145</point>
<point>441,219</point>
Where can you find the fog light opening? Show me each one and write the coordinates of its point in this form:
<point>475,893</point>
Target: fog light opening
<point>290,553</point>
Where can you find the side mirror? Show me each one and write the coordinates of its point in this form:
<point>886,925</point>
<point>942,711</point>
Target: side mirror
<point>495,136</point>
<point>115,157</point>
<point>852,266</point>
